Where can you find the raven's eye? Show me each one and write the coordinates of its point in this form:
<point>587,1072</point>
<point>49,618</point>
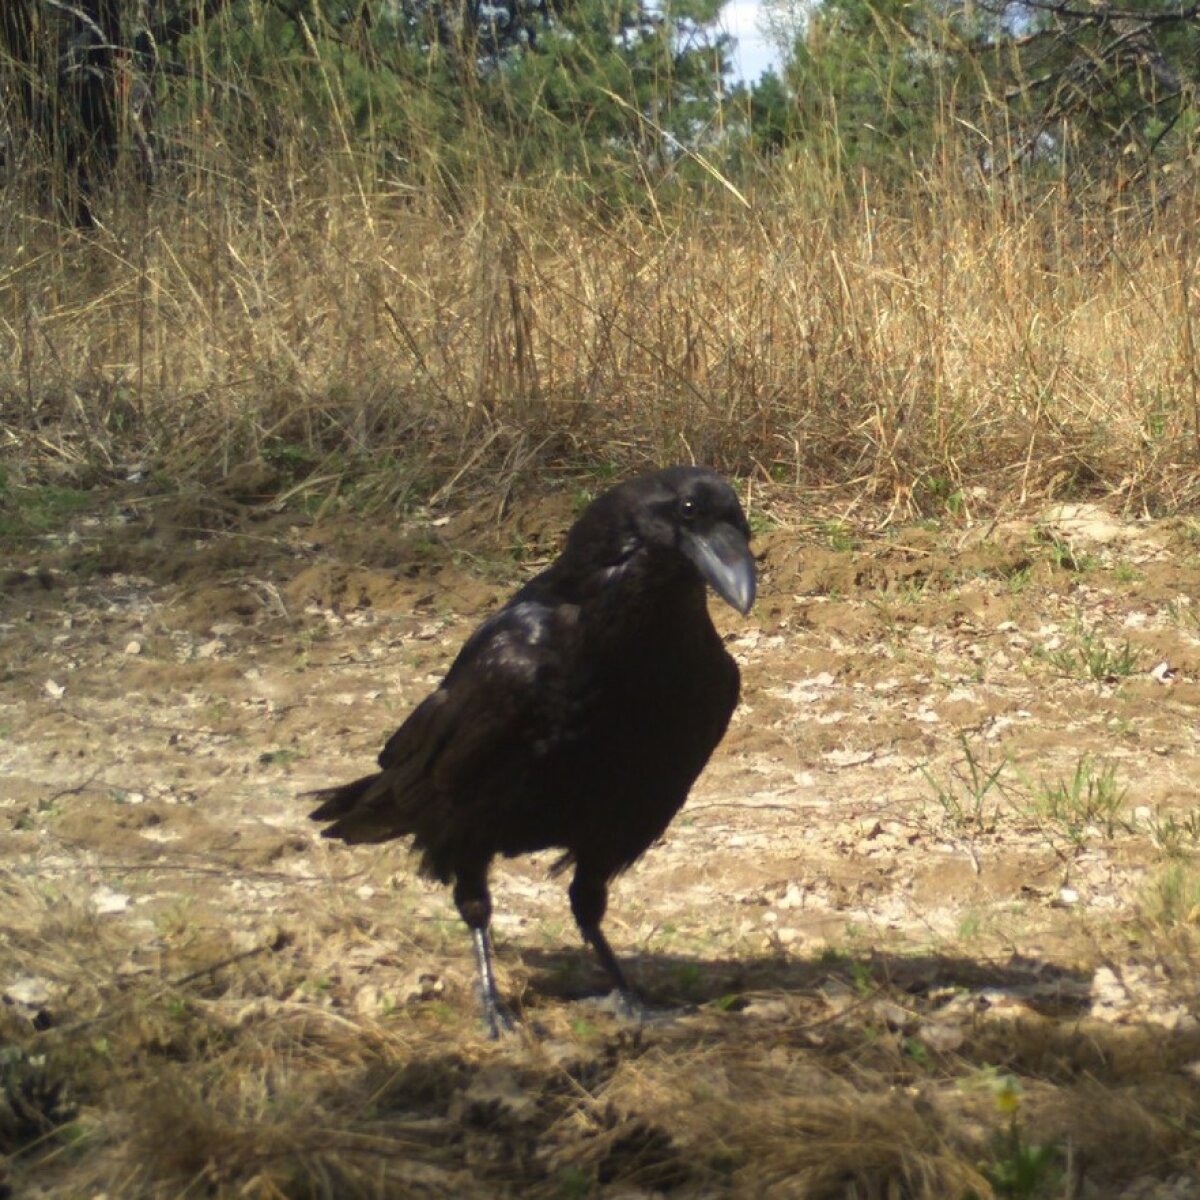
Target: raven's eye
<point>687,509</point>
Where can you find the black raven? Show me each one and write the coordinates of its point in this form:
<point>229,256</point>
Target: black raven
<point>577,716</point>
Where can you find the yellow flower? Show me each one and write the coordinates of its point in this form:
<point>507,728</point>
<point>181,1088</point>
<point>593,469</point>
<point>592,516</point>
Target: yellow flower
<point>1008,1095</point>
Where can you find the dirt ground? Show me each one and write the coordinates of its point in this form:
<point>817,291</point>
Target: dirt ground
<point>925,927</point>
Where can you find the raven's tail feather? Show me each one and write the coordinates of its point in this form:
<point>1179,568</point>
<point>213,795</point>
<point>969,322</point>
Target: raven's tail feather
<point>360,811</point>
<point>338,801</point>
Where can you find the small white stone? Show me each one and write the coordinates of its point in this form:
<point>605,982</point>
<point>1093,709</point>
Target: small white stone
<point>27,992</point>
<point>106,901</point>
<point>944,1039</point>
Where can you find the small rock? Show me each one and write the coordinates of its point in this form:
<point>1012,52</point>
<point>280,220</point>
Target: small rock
<point>106,901</point>
<point>29,996</point>
<point>27,992</point>
<point>54,690</point>
<point>767,1010</point>
<point>961,1006</point>
<point>895,1016</point>
<point>848,758</point>
<point>422,985</point>
<point>1081,524</point>
<point>134,647</point>
<point>368,1000</point>
<point>945,1039</point>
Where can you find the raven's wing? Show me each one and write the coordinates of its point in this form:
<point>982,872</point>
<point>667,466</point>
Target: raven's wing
<point>502,685</point>
<point>500,707</point>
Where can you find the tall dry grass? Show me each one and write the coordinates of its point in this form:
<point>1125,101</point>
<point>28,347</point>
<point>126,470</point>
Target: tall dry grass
<point>965,345</point>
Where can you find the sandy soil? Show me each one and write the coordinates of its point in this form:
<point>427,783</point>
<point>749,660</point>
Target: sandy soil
<point>174,676</point>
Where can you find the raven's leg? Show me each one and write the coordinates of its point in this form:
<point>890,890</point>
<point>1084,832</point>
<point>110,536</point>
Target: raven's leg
<point>589,900</point>
<point>474,904</point>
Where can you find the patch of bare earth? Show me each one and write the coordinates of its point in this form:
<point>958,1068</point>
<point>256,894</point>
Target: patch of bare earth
<point>925,928</point>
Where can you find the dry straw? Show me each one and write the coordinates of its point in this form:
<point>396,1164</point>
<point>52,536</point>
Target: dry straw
<point>960,342</point>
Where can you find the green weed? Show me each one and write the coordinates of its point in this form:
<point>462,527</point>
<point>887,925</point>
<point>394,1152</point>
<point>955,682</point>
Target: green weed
<point>278,758</point>
<point>26,512</point>
<point>1172,898</point>
<point>1091,798</point>
<point>1022,1169</point>
<point>1062,555</point>
<point>837,536</point>
<point>761,522</point>
<point>1090,656</point>
<point>1017,581</point>
<point>1173,836</point>
<point>970,926</point>
<point>970,792</point>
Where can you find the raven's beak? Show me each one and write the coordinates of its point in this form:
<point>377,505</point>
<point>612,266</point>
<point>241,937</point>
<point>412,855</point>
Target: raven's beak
<point>723,557</point>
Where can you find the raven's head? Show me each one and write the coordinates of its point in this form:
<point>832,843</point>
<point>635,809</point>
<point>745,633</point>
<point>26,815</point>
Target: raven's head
<point>680,512</point>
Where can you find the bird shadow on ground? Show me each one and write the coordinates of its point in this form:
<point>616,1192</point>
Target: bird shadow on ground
<point>671,980</point>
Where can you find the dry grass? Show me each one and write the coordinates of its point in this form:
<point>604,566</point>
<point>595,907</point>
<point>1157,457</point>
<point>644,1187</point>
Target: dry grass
<point>949,349</point>
<point>253,1075</point>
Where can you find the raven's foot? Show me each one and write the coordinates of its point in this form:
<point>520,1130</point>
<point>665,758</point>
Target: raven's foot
<point>623,1005</point>
<point>497,1018</point>
<point>629,1008</point>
